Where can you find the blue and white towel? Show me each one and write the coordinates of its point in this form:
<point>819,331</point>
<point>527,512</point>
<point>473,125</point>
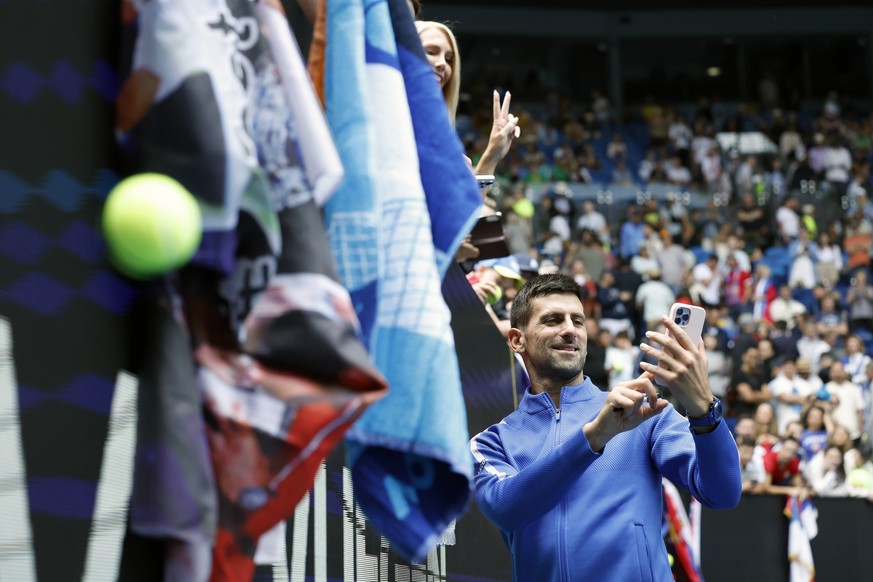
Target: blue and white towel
<point>408,457</point>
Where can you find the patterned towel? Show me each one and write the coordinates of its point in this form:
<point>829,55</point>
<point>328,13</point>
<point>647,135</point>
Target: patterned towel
<point>407,453</point>
<point>215,99</point>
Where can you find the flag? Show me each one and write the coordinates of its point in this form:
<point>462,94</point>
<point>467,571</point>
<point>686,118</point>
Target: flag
<point>681,535</point>
<point>214,98</point>
<point>802,528</point>
<point>410,465</point>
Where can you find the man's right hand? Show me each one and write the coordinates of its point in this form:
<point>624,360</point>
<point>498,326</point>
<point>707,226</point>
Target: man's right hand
<point>627,406</point>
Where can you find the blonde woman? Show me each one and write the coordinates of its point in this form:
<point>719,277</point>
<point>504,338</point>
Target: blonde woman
<point>441,49</point>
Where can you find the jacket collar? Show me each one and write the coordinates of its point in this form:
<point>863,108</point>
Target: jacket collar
<point>535,403</point>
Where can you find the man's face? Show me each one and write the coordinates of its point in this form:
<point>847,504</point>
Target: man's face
<point>555,339</point>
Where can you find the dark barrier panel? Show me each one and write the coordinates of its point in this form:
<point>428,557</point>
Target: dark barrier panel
<point>751,541</point>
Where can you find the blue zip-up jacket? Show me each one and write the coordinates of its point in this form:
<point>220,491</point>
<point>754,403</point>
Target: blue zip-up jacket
<point>570,514</point>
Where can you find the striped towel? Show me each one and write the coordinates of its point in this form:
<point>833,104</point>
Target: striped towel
<point>409,462</point>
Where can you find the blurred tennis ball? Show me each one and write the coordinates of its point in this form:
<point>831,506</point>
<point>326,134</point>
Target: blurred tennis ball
<point>152,225</point>
<point>523,208</point>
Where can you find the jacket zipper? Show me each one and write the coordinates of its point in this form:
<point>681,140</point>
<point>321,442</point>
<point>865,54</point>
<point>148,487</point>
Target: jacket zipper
<point>562,515</point>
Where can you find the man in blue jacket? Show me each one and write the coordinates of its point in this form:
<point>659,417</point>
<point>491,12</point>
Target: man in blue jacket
<point>573,477</point>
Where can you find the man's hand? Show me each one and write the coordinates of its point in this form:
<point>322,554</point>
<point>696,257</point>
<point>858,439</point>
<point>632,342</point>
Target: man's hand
<point>627,406</point>
<point>681,366</point>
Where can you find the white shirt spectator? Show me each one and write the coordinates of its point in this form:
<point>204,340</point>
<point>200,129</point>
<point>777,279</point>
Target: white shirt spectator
<point>838,163</point>
<point>787,411</point>
<point>709,281</point>
<point>789,222</point>
<point>592,221</point>
<point>782,309</point>
<point>679,174</point>
<point>851,401</point>
<point>655,297</point>
<point>680,135</point>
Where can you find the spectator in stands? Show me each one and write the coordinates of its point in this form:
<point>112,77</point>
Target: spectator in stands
<point>753,221</point>
<point>707,281</point>
<point>589,250</point>
<point>653,299</point>
<point>837,165</point>
<point>817,428</point>
<point>595,362</point>
<point>849,401</point>
<point>746,174</point>
<point>785,308</point>
<point>621,360</point>
<point>817,154</point>
<point>767,352</point>
<point>750,465</point>
<point>859,300</point>
<point>810,346</point>
<point>643,263</point>
<point>860,476</point>
<point>594,221</point>
<point>832,322</point>
<point>855,361</point>
<point>672,261</point>
<point>804,370</point>
<point>616,149</point>
<point>632,234</point>
<point>766,429</point>
<point>787,220</point>
<point>826,473</point>
<point>517,231</point>
<point>867,393</point>
<point>804,254</point>
<point>782,474</point>
<point>747,336</point>
<point>621,176</point>
<point>737,288</point>
<point>790,392</point>
<point>615,316</point>
<point>774,180</point>
<point>680,136</point>
<point>678,173</point>
<point>858,242</point>
<point>764,292</point>
<point>719,367</point>
<point>749,386</point>
<point>647,167</point>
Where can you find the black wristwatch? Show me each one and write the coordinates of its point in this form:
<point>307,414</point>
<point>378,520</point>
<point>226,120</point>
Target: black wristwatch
<point>713,417</point>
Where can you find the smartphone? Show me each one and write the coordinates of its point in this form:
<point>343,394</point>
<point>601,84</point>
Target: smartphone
<point>487,236</point>
<point>690,318</point>
<point>485,180</point>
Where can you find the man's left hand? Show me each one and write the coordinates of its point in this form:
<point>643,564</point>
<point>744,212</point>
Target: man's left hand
<point>681,365</point>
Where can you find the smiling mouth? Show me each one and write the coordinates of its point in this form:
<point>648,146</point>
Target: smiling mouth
<point>566,348</point>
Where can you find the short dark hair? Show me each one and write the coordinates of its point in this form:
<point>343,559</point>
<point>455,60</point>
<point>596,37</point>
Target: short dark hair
<point>540,286</point>
<point>416,7</point>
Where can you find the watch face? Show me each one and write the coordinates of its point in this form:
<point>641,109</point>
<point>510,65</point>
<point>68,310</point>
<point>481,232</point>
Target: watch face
<point>717,411</point>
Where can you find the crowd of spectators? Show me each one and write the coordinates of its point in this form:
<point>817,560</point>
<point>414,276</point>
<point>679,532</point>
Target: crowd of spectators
<point>779,256</point>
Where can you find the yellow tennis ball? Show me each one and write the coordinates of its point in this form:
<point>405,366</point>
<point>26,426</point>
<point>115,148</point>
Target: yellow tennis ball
<point>523,208</point>
<point>152,225</point>
<point>496,296</point>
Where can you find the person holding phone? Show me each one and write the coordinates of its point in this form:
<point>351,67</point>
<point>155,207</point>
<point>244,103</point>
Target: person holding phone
<point>572,477</point>
<point>441,49</point>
